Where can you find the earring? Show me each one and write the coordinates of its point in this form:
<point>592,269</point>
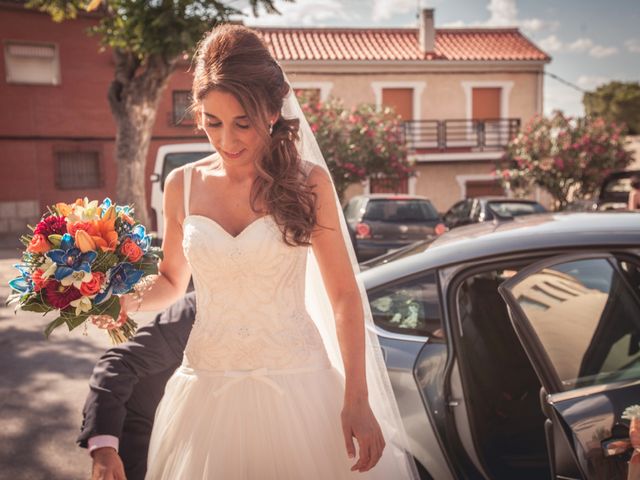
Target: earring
<point>270,128</point>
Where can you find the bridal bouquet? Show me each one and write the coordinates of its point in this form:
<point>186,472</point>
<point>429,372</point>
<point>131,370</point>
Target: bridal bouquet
<point>79,258</point>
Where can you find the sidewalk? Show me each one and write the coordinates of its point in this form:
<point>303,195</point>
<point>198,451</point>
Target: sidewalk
<point>43,385</point>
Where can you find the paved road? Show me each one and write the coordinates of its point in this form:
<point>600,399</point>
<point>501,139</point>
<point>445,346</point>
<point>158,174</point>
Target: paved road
<point>43,384</point>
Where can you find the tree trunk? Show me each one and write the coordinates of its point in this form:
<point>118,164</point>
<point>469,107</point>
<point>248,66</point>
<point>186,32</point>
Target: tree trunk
<point>134,98</point>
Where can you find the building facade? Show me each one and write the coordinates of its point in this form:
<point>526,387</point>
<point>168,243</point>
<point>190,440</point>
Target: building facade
<point>461,92</point>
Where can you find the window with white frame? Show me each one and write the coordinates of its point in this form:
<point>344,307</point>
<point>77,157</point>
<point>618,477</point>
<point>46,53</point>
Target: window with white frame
<point>32,63</point>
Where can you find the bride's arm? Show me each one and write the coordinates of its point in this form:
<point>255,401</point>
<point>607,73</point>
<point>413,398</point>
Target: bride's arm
<point>173,270</point>
<point>339,279</point>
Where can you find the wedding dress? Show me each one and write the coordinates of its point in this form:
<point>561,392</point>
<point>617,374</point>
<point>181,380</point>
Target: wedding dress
<point>256,396</point>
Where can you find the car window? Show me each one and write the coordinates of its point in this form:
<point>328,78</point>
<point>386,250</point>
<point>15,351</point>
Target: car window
<point>515,209</point>
<point>587,319</point>
<point>400,211</point>
<point>175,160</point>
<point>410,307</point>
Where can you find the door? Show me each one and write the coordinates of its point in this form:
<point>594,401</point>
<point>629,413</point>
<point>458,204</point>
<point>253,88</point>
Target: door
<point>485,114</point>
<point>578,319</point>
<point>401,100</point>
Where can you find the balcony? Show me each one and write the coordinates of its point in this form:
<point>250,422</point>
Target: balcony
<point>453,136</point>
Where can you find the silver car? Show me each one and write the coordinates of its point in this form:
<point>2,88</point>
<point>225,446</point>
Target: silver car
<point>514,349</point>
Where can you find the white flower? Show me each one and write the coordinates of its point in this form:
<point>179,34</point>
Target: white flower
<point>631,411</point>
<point>76,278</point>
<point>49,267</point>
<point>382,304</point>
<point>82,304</point>
<point>86,212</point>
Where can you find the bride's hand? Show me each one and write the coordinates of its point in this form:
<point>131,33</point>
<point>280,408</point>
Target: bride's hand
<point>358,421</point>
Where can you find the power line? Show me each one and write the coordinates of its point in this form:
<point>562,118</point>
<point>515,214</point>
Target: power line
<point>566,82</point>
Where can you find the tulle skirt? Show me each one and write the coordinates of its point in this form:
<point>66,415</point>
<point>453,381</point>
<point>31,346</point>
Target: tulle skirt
<point>258,425</point>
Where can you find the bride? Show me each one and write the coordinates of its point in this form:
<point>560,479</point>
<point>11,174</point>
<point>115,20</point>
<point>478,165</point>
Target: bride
<point>280,379</point>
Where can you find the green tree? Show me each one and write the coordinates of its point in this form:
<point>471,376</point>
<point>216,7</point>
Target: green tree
<point>566,156</point>
<point>617,102</point>
<point>147,38</point>
<point>359,142</point>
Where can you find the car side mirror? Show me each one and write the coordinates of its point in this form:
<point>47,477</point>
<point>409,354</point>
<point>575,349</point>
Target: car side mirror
<point>154,177</point>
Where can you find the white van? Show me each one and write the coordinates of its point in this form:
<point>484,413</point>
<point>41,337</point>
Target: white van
<point>168,158</point>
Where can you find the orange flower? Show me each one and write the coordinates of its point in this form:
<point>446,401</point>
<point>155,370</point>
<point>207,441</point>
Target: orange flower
<point>132,251</point>
<point>84,241</point>
<point>38,281</point>
<point>39,244</point>
<point>63,209</point>
<point>89,227</point>
<point>106,237</point>
<point>93,285</point>
<point>127,218</point>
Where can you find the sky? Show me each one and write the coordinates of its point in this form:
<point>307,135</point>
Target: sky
<point>591,42</point>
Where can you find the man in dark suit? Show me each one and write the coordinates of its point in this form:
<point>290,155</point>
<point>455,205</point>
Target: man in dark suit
<point>125,388</point>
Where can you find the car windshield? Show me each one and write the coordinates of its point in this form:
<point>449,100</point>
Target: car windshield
<point>618,185</point>
<point>395,210</point>
<point>175,160</point>
<point>515,209</point>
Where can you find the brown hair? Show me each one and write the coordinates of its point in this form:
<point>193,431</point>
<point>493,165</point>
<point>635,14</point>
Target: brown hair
<point>233,59</point>
<point>635,182</point>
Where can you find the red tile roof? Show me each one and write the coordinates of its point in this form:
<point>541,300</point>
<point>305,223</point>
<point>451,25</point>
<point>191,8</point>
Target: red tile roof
<point>353,44</point>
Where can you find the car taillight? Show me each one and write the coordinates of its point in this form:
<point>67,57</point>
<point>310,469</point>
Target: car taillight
<point>440,228</point>
<point>363,230</point>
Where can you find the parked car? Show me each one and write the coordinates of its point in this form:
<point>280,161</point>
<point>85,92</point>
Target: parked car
<point>381,222</point>
<point>168,158</point>
<point>614,191</point>
<point>485,209</point>
<point>613,194</point>
<point>513,348</point>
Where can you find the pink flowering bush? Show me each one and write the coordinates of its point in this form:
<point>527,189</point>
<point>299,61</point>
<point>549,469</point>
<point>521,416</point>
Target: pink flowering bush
<point>568,157</point>
<point>359,142</point>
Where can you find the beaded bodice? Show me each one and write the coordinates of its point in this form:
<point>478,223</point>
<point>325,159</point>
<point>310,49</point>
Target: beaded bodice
<point>250,297</point>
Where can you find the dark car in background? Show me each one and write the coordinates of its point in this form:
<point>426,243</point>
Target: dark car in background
<point>614,191</point>
<point>381,222</point>
<point>513,348</point>
<point>486,209</point>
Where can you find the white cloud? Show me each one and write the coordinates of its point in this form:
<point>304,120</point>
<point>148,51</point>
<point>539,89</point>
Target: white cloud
<point>504,13</point>
<point>550,44</point>
<point>385,9</point>
<point>591,82</point>
<point>580,45</point>
<point>599,51</point>
<point>633,45</point>
<point>300,13</point>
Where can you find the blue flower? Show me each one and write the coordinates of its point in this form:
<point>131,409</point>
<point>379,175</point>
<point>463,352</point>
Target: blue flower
<point>122,278</point>
<point>70,259</point>
<point>107,203</point>
<point>23,283</point>
<point>139,236</point>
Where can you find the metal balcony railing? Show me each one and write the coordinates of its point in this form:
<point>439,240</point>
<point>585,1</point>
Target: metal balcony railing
<point>460,135</point>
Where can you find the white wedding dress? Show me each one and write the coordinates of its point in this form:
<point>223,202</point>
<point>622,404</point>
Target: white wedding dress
<point>256,396</point>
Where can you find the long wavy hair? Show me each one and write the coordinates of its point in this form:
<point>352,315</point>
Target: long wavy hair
<point>233,59</point>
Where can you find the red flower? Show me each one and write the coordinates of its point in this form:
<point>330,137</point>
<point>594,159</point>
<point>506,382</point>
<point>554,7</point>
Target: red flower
<point>51,225</point>
<point>38,281</point>
<point>59,296</point>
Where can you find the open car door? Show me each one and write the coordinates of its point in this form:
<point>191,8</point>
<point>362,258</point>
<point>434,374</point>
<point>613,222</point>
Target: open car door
<point>578,319</point>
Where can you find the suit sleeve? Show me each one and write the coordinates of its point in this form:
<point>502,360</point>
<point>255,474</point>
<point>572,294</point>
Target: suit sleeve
<point>156,347</point>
